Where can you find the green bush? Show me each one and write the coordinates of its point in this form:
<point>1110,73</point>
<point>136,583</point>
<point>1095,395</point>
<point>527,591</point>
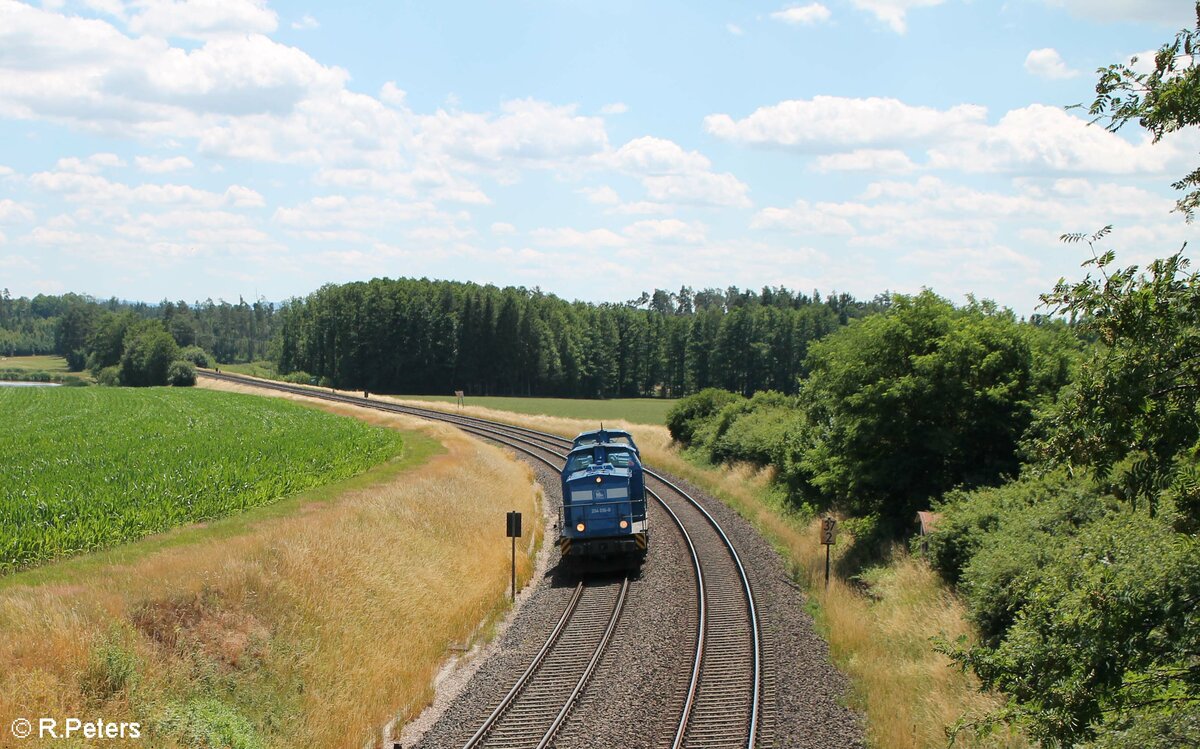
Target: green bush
<point>300,378</point>
<point>1106,628</point>
<point>996,542</point>
<point>196,356</point>
<point>109,376</point>
<point>1152,728</point>
<point>691,413</point>
<point>751,430</point>
<point>148,354</point>
<point>181,373</point>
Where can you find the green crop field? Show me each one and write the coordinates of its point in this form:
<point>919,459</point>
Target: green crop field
<point>636,410</point>
<point>87,468</point>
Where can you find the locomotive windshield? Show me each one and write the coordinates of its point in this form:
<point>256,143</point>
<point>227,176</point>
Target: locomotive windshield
<point>579,461</point>
<point>619,457</point>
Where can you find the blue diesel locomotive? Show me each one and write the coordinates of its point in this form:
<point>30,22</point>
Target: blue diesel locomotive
<point>603,515</point>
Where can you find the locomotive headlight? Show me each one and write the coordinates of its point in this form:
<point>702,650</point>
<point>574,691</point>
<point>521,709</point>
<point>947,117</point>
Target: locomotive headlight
<point>624,524</point>
<point>598,479</point>
<point>579,527</point>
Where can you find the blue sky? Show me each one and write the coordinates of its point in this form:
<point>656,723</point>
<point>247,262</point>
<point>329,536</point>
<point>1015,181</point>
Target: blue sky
<point>226,148</point>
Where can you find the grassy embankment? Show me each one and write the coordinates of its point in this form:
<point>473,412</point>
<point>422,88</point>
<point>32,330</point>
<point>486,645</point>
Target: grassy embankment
<point>311,621</point>
<point>878,633</point>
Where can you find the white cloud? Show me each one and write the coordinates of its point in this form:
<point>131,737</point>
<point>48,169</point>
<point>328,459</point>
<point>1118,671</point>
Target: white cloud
<point>526,130</point>
<point>734,29</point>
<point>1047,63</point>
<point>503,228</point>
<point>650,155</point>
<point>603,195</point>
<point>12,211</point>
<point>200,19</point>
<point>833,121</point>
<point>566,237</point>
<point>669,231</point>
<point>244,197</point>
<point>701,188</point>
<point>930,214</point>
<point>805,15</point>
<point>866,160</point>
<point>616,107</point>
<point>864,134</point>
<point>155,165</point>
<point>671,174</point>
<point>392,94</point>
<point>1170,12</point>
<point>305,23</point>
<point>357,213</point>
<point>1039,138</point>
<point>893,13</point>
<point>803,218</point>
<point>93,164</point>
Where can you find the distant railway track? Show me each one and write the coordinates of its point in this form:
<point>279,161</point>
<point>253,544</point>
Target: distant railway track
<point>722,705</point>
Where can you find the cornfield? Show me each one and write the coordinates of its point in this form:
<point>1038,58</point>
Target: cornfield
<point>83,469</point>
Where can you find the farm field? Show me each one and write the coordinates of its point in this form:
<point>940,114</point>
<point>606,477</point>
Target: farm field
<point>635,410</point>
<point>90,468</point>
<point>264,369</point>
<point>52,364</point>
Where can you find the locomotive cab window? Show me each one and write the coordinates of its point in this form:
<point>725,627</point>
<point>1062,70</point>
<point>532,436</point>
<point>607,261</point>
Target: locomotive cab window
<point>579,462</point>
<point>619,458</point>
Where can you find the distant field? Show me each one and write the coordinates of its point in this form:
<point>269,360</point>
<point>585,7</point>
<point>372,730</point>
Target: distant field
<point>264,369</point>
<point>87,468</point>
<point>54,364</point>
<point>636,410</point>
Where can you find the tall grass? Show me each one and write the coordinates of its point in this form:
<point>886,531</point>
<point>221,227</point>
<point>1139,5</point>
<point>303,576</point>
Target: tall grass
<point>313,627</point>
<point>89,468</point>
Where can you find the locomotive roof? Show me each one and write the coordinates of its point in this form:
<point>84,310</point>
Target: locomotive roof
<point>604,437</point>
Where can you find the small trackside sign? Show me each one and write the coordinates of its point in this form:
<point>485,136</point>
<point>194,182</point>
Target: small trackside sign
<point>828,531</point>
<point>513,529</point>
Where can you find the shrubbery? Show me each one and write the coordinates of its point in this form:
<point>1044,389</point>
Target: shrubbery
<point>692,412</point>
<point>109,376</point>
<point>300,378</point>
<point>181,373</point>
<point>196,355</point>
<point>1101,621</point>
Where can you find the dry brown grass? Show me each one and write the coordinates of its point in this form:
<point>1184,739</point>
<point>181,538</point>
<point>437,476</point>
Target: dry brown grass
<point>879,637</point>
<point>316,627</point>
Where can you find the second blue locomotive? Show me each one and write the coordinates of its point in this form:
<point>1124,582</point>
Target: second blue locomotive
<point>603,517</point>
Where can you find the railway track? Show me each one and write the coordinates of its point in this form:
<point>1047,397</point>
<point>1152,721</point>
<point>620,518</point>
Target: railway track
<point>533,711</point>
<point>723,703</point>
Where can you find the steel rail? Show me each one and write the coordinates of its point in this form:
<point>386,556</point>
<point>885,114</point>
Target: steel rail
<point>533,666</point>
<point>586,676</point>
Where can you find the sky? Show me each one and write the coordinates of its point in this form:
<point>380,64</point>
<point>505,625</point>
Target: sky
<point>192,149</point>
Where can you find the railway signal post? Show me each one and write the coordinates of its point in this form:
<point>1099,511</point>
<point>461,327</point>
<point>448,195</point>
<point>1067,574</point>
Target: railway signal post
<point>828,536</point>
<point>513,529</point>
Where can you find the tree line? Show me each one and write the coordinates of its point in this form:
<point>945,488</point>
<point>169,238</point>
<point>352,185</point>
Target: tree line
<point>422,336</point>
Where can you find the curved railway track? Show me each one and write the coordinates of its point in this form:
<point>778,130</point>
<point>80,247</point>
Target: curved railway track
<point>723,703</point>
